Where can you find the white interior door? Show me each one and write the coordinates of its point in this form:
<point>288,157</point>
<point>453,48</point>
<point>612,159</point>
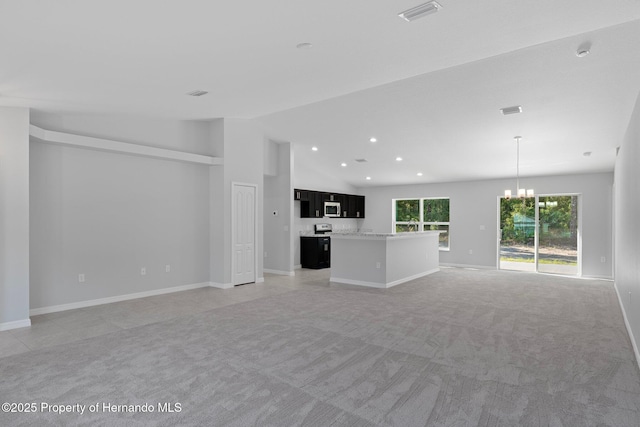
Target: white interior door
<point>244,230</point>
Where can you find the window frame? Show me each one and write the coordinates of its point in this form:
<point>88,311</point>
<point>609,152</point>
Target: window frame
<point>420,224</point>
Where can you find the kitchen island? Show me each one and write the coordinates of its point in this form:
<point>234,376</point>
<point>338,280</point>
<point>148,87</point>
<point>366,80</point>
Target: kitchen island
<point>383,260</point>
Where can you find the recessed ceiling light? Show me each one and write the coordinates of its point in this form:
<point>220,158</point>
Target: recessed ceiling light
<point>314,148</point>
<point>304,45</point>
<point>368,178</point>
<point>586,153</point>
<point>198,93</point>
<point>511,110</point>
<point>419,174</point>
<point>344,165</point>
<point>398,159</point>
<point>420,11</point>
<point>372,139</point>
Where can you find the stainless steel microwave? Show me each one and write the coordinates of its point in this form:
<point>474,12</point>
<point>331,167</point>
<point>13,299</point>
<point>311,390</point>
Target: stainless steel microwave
<point>332,209</point>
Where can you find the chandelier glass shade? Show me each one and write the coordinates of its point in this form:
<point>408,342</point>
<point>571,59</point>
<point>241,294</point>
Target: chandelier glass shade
<point>521,193</point>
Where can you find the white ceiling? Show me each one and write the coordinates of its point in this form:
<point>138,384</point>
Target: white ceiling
<point>429,90</point>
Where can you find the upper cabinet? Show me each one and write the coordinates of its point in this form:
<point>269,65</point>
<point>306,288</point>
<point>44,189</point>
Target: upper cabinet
<point>359,207</point>
<point>312,203</point>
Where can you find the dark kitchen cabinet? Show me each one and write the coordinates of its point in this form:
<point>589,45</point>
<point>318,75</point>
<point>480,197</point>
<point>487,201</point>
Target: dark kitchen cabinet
<point>301,195</point>
<point>316,204</point>
<point>355,206</point>
<point>315,252</point>
<point>344,205</point>
<point>359,207</point>
<point>351,206</point>
<point>312,203</point>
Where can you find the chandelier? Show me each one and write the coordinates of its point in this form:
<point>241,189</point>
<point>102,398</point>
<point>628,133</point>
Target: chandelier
<point>521,192</point>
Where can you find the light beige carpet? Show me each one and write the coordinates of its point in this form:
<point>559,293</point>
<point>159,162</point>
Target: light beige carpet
<point>457,348</point>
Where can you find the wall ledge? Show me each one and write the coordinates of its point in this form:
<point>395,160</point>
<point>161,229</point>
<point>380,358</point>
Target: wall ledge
<point>68,139</point>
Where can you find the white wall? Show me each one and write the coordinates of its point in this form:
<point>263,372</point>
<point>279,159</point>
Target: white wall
<point>243,163</point>
<point>311,179</point>
<point>278,197</point>
<point>14,217</point>
<point>219,215</point>
<point>627,226</point>
<point>107,215</point>
<point>475,204</point>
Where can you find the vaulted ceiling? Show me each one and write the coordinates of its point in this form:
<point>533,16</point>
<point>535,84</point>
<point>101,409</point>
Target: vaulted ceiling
<point>429,90</point>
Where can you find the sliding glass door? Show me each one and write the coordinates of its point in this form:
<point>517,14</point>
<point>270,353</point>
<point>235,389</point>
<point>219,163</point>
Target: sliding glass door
<point>558,235</point>
<point>517,239</point>
<point>540,234</point>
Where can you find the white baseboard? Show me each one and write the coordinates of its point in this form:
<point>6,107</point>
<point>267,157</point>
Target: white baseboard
<point>357,282</point>
<point>297,267</point>
<point>628,325</point>
<point>117,298</point>
<point>230,285</point>
<point>24,323</point>
<point>382,285</point>
<point>609,278</point>
<point>479,267</point>
<point>221,285</point>
<point>279,272</point>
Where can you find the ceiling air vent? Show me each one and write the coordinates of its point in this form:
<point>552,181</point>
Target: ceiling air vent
<point>198,93</point>
<point>420,11</point>
<point>361,160</point>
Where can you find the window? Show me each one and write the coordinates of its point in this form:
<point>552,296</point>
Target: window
<point>423,215</point>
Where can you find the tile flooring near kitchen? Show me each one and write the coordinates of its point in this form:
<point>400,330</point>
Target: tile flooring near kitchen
<point>458,347</point>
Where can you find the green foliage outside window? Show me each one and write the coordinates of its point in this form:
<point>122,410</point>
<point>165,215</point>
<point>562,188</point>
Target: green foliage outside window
<point>558,219</point>
<point>436,210</point>
<point>407,210</point>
